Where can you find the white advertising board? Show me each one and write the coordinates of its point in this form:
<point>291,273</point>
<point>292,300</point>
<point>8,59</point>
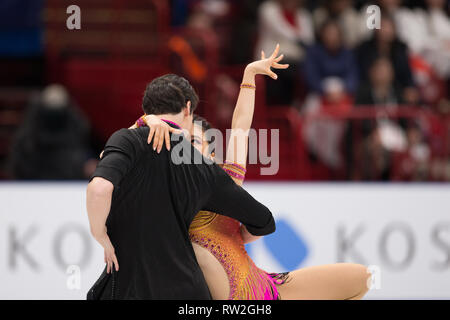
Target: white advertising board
<point>401,230</point>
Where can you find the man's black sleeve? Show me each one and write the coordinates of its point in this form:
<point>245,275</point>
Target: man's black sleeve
<point>118,158</point>
<point>231,200</point>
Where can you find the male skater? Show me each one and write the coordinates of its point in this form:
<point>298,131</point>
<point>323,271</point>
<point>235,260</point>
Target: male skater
<point>140,205</point>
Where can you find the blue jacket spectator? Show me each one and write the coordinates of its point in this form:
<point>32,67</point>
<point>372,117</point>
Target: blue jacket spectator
<point>329,58</point>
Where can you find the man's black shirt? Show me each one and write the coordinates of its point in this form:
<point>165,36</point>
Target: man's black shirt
<point>153,204</point>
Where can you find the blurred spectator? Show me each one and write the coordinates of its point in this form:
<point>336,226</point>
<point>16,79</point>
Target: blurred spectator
<point>380,89</point>
<point>424,31</point>
<point>383,138</point>
<point>380,136</point>
<point>287,23</point>
<point>180,11</point>
<point>192,49</point>
<point>187,47</point>
<point>430,85</point>
<point>413,164</point>
<point>329,58</point>
<point>381,92</point>
<point>384,42</point>
<point>402,16</point>
<point>184,10</point>
<point>347,17</point>
<point>332,76</point>
<point>244,31</point>
<point>51,143</point>
<point>429,36</point>
<point>227,89</point>
<point>205,12</point>
<point>323,132</point>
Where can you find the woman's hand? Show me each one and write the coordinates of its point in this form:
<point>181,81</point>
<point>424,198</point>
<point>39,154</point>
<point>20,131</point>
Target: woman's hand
<point>264,65</point>
<point>159,132</point>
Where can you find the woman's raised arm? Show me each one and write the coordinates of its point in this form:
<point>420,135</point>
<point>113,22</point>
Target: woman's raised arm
<point>245,105</point>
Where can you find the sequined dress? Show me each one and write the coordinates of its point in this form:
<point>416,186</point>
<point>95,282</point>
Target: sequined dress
<point>221,236</point>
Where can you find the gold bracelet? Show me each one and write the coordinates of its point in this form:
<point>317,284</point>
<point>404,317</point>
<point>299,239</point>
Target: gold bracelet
<point>141,122</point>
<point>248,86</point>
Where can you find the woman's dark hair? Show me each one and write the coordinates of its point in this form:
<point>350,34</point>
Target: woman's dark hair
<point>205,124</point>
<point>205,127</point>
<point>168,94</point>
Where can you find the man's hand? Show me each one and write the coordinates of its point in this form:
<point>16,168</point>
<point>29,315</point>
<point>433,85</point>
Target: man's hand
<point>98,203</point>
<point>110,255</point>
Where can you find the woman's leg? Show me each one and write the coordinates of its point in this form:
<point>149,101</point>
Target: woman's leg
<point>338,281</point>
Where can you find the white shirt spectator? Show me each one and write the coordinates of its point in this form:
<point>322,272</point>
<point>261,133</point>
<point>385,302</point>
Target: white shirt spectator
<point>274,28</point>
<point>428,35</point>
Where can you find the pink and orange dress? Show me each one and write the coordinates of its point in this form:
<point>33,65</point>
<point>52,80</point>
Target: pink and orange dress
<point>221,236</point>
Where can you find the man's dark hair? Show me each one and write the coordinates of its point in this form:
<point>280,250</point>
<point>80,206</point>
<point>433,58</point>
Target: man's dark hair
<point>168,94</point>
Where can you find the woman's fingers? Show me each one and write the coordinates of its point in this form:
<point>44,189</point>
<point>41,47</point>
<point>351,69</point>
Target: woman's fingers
<point>156,137</point>
<point>272,74</point>
<point>280,66</point>
<point>159,133</point>
<point>150,135</point>
<point>175,131</point>
<point>160,140</point>
<point>275,52</point>
<point>263,55</point>
<point>279,58</point>
<point>167,138</point>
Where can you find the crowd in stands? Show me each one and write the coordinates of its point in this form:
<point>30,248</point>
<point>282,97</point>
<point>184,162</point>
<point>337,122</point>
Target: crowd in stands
<point>337,65</point>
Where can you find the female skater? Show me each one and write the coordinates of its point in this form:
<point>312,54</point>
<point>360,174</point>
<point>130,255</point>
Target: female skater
<point>218,241</point>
